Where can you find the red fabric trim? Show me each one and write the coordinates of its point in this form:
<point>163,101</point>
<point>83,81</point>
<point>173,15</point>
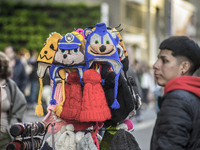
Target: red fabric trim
<point>188,83</point>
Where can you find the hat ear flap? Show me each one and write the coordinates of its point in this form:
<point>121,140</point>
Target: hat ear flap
<point>87,32</point>
<point>39,109</point>
<point>59,107</point>
<point>117,40</point>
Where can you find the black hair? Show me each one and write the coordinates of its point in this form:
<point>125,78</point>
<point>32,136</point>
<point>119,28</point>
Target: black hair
<point>183,46</point>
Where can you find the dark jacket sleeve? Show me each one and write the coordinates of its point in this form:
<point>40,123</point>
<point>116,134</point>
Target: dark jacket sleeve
<point>23,78</point>
<point>174,122</point>
<point>20,75</point>
<point>18,102</point>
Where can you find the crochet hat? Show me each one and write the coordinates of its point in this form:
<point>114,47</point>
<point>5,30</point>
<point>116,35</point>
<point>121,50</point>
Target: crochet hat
<point>64,139</point>
<point>121,47</point>
<point>115,32</point>
<point>93,106</point>
<point>106,140</point>
<point>125,99</point>
<point>70,40</point>
<point>70,56</point>
<point>81,31</point>
<point>101,47</point>
<point>124,59</point>
<point>53,138</point>
<point>67,139</point>
<point>45,59</point>
<point>86,143</point>
<point>48,51</point>
<point>129,124</point>
<point>73,99</point>
<point>124,140</point>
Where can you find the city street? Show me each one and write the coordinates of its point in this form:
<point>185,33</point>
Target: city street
<point>142,130</point>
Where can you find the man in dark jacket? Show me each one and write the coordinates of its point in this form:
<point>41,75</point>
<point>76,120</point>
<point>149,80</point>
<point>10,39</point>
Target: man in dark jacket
<point>178,122</point>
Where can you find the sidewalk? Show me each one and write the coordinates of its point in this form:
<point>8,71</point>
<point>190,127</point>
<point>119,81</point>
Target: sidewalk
<point>143,129</point>
<point>29,116</point>
<point>147,118</point>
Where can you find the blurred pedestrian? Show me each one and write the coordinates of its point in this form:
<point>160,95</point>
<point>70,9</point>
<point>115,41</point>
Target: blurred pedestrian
<point>18,74</point>
<point>138,69</point>
<point>131,73</point>
<point>33,80</point>
<point>147,84</point>
<point>12,100</point>
<point>177,126</point>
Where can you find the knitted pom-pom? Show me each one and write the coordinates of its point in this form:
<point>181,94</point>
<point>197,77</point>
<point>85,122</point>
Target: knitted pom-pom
<point>58,110</point>
<point>129,124</point>
<point>115,105</point>
<point>53,102</point>
<point>39,111</point>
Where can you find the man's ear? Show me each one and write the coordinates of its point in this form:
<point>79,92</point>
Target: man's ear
<point>185,67</point>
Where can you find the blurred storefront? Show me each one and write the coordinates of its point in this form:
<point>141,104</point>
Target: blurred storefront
<point>146,23</point>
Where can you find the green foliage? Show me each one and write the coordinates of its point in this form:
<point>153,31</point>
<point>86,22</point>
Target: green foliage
<point>28,26</point>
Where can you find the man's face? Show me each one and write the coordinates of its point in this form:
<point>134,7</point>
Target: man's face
<point>166,67</point>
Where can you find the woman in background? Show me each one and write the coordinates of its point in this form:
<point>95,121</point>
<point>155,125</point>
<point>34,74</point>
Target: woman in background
<point>12,101</point>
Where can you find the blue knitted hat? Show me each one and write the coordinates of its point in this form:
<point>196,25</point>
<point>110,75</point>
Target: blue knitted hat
<point>69,41</point>
<point>101,47</point>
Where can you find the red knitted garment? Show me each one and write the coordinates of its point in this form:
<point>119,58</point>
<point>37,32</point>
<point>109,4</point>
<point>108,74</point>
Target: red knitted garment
<point>94,105</point>
<point>73,94</point>
<point>80,125</point>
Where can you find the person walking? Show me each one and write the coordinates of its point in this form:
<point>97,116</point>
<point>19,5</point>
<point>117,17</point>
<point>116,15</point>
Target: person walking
<point>147,85</point>
<point>33,80</point>
<point>12,101</point>
<point>19,74</point>
<point>177,125</point>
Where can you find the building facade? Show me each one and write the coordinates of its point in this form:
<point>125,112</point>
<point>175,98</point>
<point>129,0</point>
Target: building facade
<point>146,23</point>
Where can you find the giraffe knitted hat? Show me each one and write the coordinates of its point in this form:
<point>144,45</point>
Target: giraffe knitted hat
<point>101,47</point>
<point>44,60</point>
<point>123,55</point>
